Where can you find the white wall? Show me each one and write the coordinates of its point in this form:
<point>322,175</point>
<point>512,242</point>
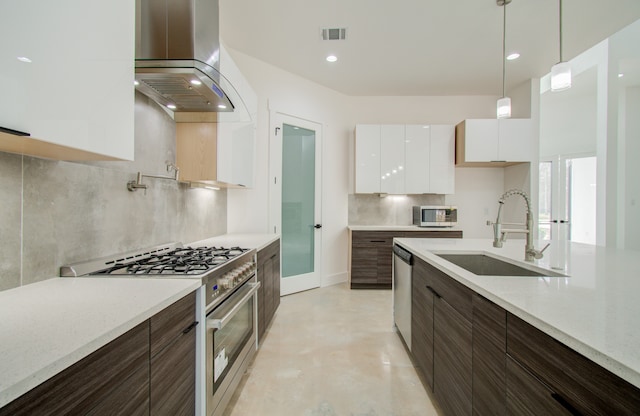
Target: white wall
<point>477,189</point>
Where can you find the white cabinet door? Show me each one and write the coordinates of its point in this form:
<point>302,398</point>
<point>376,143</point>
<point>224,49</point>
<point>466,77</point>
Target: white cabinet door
<point>368,158</point>
<point>236,139</point>
<point>516,140</point>
<point>417,158</point>
<point>77,91</point>
<point>481,140</point>
<point>442,159</point>
<point>392,159</point>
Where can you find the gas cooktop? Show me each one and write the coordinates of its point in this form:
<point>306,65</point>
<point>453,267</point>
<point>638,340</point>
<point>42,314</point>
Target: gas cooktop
<point>171,259</point>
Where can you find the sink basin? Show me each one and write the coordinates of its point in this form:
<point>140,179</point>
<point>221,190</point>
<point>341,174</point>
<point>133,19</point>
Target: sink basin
<point>484,265</point>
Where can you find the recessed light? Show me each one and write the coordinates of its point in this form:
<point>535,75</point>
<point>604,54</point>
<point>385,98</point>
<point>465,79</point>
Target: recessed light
<point>620,75</point>
<point>171,106</point>
<point>513,56</point>
<point>24,59</point>
<point>332,58</point>
<point>222,106</point>
<point>135,82</point>
<point>196,82</point>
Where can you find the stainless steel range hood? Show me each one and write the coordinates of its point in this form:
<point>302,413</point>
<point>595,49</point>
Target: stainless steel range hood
<point>178,57</point>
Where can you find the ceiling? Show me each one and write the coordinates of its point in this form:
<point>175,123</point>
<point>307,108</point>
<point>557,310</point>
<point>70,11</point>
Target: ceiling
<point>418,47</point>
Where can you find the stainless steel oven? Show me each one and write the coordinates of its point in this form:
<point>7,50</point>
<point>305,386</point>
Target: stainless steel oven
<point>230,344</point>
<point>226,301</point>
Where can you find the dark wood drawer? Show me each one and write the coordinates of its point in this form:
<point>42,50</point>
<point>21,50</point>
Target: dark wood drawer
<point>372,238</point>
<point>527,396</point>
<point>588,387</point>
<point>422,321</point>
<point>169,323</point>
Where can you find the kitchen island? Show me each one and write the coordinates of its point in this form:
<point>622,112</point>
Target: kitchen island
<point>593,311</point>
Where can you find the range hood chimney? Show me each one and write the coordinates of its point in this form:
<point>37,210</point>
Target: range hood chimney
<point>178,57</point>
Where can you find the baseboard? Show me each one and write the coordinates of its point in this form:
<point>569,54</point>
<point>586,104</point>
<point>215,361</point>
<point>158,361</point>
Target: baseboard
<point>334,279</point>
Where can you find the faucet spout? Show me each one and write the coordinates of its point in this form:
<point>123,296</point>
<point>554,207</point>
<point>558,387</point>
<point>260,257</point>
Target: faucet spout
<point>500,234</point>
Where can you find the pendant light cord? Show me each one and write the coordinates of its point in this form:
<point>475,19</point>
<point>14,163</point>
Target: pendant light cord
<point>560,26</point>
<point>504,41</point>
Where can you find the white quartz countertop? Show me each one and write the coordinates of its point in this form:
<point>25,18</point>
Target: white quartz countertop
<point>595,311</point>
<point>257,241</point>
<point>45,327</point>
<point>399,228</point>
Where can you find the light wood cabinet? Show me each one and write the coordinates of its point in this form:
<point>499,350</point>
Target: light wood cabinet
<point>76,96</point>
<point>405,159</point>
<point>493,142</point>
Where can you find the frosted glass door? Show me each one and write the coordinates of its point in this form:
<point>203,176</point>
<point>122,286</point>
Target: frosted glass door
<point>296,200</point>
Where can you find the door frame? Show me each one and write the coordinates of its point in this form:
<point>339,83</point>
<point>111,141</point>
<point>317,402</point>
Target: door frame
<point>312,280</point>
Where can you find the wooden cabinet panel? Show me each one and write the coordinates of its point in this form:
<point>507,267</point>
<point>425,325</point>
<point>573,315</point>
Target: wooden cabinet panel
<point>489,357</point>
<point>172,378</point>
<point>173,359</point>
<point>169,323</point>
<point>268,274</point>
<point>452,367</point>
<point>131,398</point>
<point>455,293</point>
<point>586,386</point>
<point>372,255</point>
<point>526,396</point>
<point>91,381</point>
<point>422,321</point>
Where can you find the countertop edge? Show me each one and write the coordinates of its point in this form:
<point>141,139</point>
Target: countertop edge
<point>33,380</point>
<point>611,364</point>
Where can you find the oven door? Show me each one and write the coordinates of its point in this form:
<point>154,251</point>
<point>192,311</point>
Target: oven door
<point>231,343</point>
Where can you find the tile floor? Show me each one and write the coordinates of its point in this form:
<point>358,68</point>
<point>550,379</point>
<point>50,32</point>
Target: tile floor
<point>332,352</point>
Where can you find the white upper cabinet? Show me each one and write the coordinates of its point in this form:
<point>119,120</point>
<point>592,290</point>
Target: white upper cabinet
<point>405,159</point>
<point>392,159</point>
<point>75,97</point>
<point>237,138</point>
<point>368,176</point>
<point>417,160</point>
<point>442,169</point>
<point>494,142</point>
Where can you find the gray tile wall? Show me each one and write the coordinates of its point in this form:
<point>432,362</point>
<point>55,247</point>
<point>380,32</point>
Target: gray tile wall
<point>365,209</point>
<point>55,212</point>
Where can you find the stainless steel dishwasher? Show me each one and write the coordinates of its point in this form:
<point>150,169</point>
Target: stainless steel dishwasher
<point>402,266</point>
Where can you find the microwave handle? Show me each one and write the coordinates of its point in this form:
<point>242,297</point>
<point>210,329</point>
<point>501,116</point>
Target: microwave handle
<point>220,323</point>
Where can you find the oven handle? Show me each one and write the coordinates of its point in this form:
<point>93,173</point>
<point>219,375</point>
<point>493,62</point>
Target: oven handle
<point>220,323</point>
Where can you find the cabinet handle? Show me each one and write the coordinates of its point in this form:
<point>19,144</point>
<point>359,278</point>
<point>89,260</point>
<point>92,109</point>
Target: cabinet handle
<point>377,241</point>
<point>190,327</point>
<point>432,290</point>
<point>565,404</point>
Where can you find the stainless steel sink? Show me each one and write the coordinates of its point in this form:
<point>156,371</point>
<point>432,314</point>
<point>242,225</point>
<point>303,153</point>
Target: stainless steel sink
<point>484,265</point>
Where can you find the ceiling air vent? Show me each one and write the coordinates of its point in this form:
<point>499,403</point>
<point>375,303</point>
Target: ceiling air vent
<point>334,34</point>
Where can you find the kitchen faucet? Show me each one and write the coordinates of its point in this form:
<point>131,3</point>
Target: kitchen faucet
<point>500,234</point>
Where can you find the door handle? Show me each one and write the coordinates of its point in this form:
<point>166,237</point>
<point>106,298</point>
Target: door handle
<point>317,226</point>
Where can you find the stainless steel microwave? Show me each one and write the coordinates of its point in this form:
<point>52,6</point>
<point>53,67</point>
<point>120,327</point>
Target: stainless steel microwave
<point>435,216</point>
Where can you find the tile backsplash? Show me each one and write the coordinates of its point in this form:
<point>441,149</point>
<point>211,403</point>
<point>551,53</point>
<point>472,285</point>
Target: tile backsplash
<point>366,209</point>
<point>56,212</point>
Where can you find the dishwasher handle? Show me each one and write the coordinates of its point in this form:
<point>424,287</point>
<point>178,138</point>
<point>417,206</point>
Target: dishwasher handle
<point>403,254</point>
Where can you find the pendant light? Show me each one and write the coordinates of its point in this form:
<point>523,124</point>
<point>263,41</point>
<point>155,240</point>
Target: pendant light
<point>560,72</point>
<point>504,103</point>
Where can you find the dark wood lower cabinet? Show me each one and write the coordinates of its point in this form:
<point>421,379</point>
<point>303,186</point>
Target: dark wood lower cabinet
<point>93,383</point>
<point>372,254</point>
<point>268,274</point>
<point>149,370</point>
<point>422,321</point>
<point>479,359</point>
<point>578,383</point>
<point>452,383</point>
<point>489,358</point>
